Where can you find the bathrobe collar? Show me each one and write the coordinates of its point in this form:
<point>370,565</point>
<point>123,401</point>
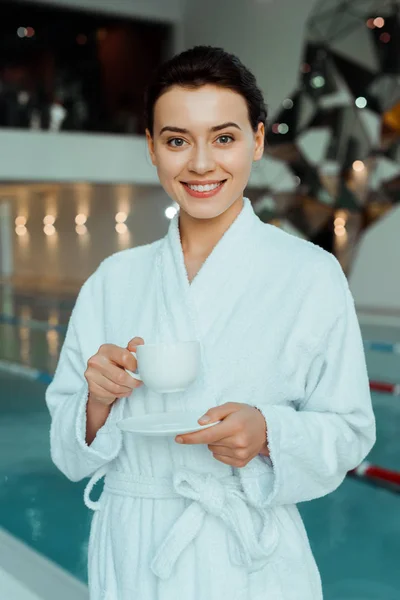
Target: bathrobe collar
<point>195,308</point>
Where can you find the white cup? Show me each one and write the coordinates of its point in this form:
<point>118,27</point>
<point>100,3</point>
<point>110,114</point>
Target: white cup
<point>167,368</point>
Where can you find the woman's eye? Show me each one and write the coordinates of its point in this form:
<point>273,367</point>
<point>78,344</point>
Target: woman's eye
<point>179,145</point>
<point>225,137</point>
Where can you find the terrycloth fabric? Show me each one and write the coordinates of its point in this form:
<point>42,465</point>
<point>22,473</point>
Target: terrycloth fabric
<point>278,330</point>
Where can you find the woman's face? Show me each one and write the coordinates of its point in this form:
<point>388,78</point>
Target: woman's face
<point>204,137</point>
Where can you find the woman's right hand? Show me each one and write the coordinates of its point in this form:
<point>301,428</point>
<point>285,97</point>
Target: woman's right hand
<point>106,375</point>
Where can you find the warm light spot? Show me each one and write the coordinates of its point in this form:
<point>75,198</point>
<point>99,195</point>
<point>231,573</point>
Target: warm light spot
<point>339,222</point>
<point>121,228</point>
<point>20,220</point>
<point>49,229</point>
<point>379,22</point>
<point>358,166</point>
<point>21,230</point>
<point>121,217</point>
<point>80,219</point>
<point>49,220</point>
<point>81,229</point>
<point>340,231</point>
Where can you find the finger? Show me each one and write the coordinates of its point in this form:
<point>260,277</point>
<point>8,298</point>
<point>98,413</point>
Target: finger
<point>217,413</point>
<point>236,453</point>
<point>209,435</point>
<point>107,386</point>
<point>231,461</point>
<point>231,441</point>
<point>119,376</point>
<point>134,343</point>
<point>222,451</point>
<point>119,356</point>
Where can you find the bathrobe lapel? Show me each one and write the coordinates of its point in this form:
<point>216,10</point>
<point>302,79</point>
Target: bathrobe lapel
<point>205,309</point>
<point>197,310</point>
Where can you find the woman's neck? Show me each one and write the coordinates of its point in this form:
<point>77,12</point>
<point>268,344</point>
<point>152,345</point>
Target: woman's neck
<point>200,236</point>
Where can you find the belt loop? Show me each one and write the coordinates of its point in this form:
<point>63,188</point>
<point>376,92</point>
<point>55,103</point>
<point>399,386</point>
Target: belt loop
<point>97,475</point>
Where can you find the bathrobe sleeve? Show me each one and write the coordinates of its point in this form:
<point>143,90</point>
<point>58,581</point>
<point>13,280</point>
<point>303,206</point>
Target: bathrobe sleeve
<point>314,442</point>
<point>66,396</point>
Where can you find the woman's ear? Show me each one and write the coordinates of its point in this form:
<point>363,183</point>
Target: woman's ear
<point>150,146</point>
<point>259,140</point>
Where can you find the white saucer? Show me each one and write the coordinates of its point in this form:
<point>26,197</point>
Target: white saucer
<point>170,423</point>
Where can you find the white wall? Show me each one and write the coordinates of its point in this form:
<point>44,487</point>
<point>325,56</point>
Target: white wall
<point>66,156</point>
<point>375,275</point>
<point>266,35</point>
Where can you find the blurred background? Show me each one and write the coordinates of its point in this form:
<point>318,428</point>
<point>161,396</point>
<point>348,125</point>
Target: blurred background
<point>77,184</point>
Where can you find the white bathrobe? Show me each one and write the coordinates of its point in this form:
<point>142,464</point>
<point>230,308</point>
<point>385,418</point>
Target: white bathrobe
<point>278,330</point>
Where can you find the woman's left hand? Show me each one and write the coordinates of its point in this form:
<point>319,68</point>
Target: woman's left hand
<point>237,439</point>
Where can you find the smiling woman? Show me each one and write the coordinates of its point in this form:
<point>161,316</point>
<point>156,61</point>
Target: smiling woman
<point>281,373</point>
<point>219,113</point>
<point>210,151</point>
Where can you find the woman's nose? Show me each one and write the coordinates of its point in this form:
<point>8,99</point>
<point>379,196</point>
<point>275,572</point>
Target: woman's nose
<point>202,160</point>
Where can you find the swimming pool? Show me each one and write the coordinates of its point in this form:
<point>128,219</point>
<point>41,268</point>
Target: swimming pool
<point>37,503</point>
<point>354,532</point>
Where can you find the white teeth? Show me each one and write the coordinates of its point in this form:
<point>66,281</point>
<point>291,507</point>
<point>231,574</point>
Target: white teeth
<point>204,188</point>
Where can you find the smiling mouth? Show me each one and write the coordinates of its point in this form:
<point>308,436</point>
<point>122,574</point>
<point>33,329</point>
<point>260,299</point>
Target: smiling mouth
<point>204,188</point>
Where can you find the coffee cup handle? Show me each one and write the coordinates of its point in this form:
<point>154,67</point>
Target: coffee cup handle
<point>137,377</point>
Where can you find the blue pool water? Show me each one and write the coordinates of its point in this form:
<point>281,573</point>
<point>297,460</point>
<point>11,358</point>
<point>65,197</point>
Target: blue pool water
<point>354,532</point>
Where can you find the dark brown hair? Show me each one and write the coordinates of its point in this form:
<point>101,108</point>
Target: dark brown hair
<point>202,65</point>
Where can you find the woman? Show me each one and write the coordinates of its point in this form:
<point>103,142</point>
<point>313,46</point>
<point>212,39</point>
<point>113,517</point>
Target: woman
<point>283,369</point>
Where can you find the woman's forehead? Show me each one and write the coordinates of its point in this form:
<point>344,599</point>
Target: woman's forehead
<point>203,107</point>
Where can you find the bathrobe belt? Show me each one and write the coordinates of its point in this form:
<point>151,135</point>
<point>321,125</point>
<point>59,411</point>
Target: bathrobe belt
<point>221,497</point>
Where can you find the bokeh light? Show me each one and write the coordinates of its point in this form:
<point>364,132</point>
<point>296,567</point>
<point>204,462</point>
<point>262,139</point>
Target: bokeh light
<point>21,230</point>
<point>49,229</point>
<point>170,212</point>
<point>361,102</point>
<point>81,229</point>
<point>318,81</point>
<point>121,228</point>
<point>121,217</point>
<point>80,219</point>
<point>358,166</point>
<point>288,103</point>
<point>283,128</point>
<point>385,37</point>
<point>379,22</point>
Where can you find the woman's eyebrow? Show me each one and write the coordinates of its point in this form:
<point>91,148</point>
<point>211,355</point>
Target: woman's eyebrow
<point>215,128</point>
